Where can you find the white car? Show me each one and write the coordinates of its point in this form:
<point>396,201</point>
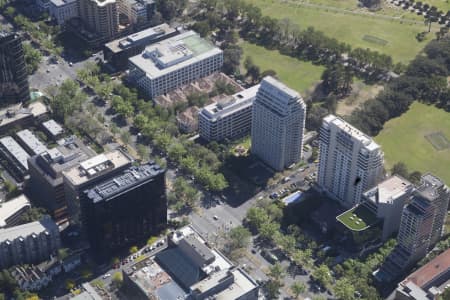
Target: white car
<point>106,275</point>
<point>215,217</point>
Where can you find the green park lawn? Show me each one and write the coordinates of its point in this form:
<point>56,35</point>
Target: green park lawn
<point>403,139</point>
<point>296,74</point>
<point>400,37</point>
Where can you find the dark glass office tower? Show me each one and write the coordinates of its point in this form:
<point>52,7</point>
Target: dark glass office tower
<point>13,72</point>
<point>124,209</point>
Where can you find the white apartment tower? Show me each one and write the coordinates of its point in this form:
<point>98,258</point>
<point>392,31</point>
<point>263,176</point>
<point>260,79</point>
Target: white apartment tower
<point>350,161</point>
<point>278,124</point>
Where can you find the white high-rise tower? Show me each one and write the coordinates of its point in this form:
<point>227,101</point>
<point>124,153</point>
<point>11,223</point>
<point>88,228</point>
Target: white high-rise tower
<point>350,161</point>
<point>278,123</point>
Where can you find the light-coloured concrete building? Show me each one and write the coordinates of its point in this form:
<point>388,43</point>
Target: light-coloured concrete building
<point>421,227</point>
<point>278,124</point>
<point>63,10</point>
<point>28,243</point>
<point>101,17</point>
<point>88,172</point>
<point>171,63</point>
<point>350,162</point>
<point>136,11</point>
<point>228,119</point>
<point>46,180</point>
<point>386,201</point>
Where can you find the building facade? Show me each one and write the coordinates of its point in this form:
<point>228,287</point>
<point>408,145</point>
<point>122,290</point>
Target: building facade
<point>46,175</point>
<point>137,12</point>
<point>350,162</point>
<point>386,201</point>
<point>15,157</point>
<point>89,172</point>
<point>228,119</point>
<point>124,209</point>
<point>421,227</point>
<point>28,243</point>
<point>13,70</point>
<point>63,10</point>
<point>102,17</point>
<point>174,62</point>
<point>278,124</point>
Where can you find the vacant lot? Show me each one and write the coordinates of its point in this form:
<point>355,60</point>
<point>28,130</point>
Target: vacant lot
<point>399,38</point>
<point>407,139</point>
<point>295,73</point>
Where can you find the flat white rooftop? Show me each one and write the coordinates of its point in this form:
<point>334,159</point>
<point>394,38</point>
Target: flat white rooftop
<point>281,87</point>
<point>9,208</point>
<point>15,150</point>
<point>31,141</point>
<point>53,127</point>
<point>83,172</point>
<point>59,3</point>
<point>16,112</point>
<point>27,229</point>
<point>173,54</point>
<point>241,286</point>
<point>231,104</point>
<point>133,39</point>
<point>389,189</point>
<point>355,133</point>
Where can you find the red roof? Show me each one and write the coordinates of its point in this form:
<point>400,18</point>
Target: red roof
<point>431,270</point>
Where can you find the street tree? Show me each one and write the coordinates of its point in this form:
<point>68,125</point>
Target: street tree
<point>239,237</point>
<point>322,275</point>
<point>298,288</point>
<point>344,290</point>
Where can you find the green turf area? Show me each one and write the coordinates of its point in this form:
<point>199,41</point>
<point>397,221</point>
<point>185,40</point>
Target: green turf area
<point>357,218</point>
<point>400,38</point>
<point>297,74</point>
<point>405,139</point>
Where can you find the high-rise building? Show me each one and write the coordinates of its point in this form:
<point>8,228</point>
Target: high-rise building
<point>87,173</point>
<point>63,10</point>
<point>101,17</point>
<point>278,124</point>
<point>386,201</point>
<point>124,209</point>
<point>229,118</point>
<point>421,227</point>
<point>350,161</point>
<point>13,71</point>
<point>28,243</point>
<point>46,179</point>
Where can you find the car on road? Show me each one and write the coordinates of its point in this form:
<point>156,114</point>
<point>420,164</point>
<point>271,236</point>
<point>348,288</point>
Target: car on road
<point>70,64</point>
<point>106,275</point>
<point>215,217</point>
<point>254,251</point>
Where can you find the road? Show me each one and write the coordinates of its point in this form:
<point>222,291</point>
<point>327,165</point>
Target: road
<point>51,73</point>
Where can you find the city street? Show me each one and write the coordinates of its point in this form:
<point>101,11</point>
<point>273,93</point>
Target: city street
<point>51,73</point>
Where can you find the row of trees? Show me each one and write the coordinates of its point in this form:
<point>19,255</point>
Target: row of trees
<point>308,44</point>
<point>158,127</point>
<point>425,79</point>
